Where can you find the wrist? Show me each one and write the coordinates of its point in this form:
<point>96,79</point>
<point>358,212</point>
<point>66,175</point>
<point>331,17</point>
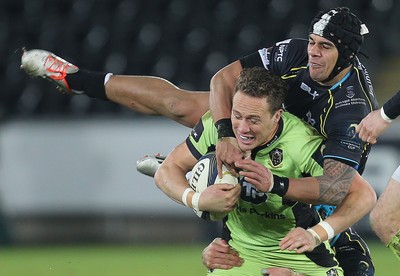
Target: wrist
<point>315,235</point>
<point>224,128</point>
<point>195,201</point>
<point>384,116</point>
<point>280,185</point>
<point>328,229</point>
<point>185,195</point>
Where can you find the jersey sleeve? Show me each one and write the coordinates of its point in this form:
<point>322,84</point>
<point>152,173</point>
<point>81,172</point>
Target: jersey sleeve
<point>203,137</point>
<point>344,144</point>
<point>392,106</point>
<point>281,58</point>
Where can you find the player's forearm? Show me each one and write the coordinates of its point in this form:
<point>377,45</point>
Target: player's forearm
<point>346,215</point>
<point>360,200</point>
<point>171,176</point>
<point>329,188</point>
<point>304,190</point>
<point>171,182</point>
<point>222,86</point>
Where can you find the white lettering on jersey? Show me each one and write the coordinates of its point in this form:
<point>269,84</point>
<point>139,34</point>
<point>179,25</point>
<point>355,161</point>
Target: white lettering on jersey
<point>306,88</point>
<point>281,50</point>
<point>251,191</point>
<point>283,42</point>
<point>264,54</point>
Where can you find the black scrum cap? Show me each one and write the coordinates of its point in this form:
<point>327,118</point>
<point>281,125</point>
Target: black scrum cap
<point>343,29</point>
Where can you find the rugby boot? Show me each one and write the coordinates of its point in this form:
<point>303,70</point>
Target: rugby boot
<point>149,164</point>
<point>44,64</point>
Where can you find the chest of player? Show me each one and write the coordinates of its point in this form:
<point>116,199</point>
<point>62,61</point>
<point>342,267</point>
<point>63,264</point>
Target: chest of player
<point>317,104</point>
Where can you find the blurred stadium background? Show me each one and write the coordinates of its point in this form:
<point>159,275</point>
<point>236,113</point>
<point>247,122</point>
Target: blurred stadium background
<point>67,164</point>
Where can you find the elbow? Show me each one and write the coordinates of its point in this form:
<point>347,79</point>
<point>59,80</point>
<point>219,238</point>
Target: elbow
<point>217,79</point>
<point>371,197</point>
<point>227,75</point>
<point>365,191</point>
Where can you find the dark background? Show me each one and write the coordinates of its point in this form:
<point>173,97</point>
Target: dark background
<point>184,41</point>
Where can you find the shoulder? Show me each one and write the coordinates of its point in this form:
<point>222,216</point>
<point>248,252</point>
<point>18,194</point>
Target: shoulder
<point>302,144</point>
<point>294,126</point>
<point>286,55</point>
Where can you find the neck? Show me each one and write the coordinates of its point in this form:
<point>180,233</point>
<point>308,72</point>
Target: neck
<point>338,77</point>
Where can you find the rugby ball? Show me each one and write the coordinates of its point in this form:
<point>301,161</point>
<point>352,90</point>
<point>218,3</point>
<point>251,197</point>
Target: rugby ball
<point>204,174</point>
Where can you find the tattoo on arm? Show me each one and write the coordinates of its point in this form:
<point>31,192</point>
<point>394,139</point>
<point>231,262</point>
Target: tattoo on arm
<point>336,181</point>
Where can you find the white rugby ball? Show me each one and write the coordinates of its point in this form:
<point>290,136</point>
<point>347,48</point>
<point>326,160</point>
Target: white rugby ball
<point>205,174</point>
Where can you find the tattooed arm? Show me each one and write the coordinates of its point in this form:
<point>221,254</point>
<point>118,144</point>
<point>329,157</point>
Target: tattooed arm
<point>340,185</point>
<point>330,188</point>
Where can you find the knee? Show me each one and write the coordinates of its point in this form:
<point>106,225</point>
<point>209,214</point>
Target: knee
<point>184,108</point>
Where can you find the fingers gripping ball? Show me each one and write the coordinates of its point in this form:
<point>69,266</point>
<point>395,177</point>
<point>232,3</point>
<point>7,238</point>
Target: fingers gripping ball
<point>204,174</point>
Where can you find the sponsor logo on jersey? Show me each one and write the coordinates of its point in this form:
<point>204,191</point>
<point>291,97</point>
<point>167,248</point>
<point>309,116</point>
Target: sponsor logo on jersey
<point>286,41</point>
<point>276,157</point>
<point>250,194</point>
<point>366,77</point>
<point>310,119</point>
<point>280,53</point>
<point>350,145</point>
<point>264,54</point>
<point>351,131</point>
<point>308,89</point>
<point>350,92</point>
<point>265,214</point>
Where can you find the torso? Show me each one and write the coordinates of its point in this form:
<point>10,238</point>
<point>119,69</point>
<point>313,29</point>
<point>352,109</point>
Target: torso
<point>333,111</point>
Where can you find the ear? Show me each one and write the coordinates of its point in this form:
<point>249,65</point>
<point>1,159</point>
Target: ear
<point>277,116</point>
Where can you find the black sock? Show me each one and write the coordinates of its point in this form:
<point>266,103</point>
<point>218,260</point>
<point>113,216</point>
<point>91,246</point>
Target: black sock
<point>88,82</point>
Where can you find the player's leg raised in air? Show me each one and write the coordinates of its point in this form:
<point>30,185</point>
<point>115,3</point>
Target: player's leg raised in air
<point>145,94</point>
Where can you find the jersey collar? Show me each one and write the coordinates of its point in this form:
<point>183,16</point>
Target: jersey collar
<point>270,142</point>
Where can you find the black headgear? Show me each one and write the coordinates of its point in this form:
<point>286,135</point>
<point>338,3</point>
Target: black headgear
<point>343,29</point>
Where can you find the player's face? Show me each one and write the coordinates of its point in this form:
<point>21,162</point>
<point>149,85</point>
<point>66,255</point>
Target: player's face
<point>252,121</point>
<point>322,57</point>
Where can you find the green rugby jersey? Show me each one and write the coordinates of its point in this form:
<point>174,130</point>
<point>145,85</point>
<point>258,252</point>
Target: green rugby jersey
<point>261,220</point>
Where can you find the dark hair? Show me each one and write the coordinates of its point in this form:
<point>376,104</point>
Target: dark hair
<point>260,83</point>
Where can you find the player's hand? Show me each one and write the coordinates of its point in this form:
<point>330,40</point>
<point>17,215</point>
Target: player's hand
<point>371,127</point>
<point>228,151</point>
<point>256,174</point>
<point>298,239</point>
<point>279,271</point>
<point>219,198</point>
<point>218,254</point>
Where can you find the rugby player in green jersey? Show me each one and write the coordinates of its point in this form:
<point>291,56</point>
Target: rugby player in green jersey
<point>330,89</point>
<point>264,228</point>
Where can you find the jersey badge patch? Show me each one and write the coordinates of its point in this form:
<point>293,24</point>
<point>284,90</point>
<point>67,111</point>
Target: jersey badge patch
<point>350,92</point>
<point>351,131</point>
<point>276,157</point>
